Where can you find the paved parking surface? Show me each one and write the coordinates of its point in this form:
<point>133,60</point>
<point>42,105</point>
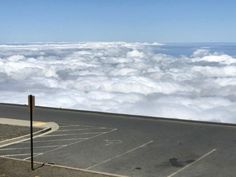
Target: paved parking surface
<point>13,131</point>
<point>129,145</point>
<point>67,135</point>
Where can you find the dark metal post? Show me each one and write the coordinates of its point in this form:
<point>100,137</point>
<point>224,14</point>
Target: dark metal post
<point>31,105</point>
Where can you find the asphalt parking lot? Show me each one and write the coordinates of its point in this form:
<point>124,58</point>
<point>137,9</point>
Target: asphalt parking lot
<point>129,145</point>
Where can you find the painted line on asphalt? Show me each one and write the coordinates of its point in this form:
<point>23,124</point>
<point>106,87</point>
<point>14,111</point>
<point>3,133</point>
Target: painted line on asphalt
<point>120,155</point>
<point>36,147</point>
<point>88,133</point>
<point>16,155</point>
<point>60,135</point>
<point>55,140</point>
<point>70,130</point>
<point>70,144</point>
<point>75,126</point>
<point>191,164</point>
<point>85,133</point>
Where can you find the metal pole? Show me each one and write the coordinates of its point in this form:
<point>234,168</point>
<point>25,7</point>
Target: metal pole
<point>31,131</point>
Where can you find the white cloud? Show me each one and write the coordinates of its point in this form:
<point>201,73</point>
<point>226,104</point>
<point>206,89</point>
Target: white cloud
<point>121,77</point>
<point>205,55</point>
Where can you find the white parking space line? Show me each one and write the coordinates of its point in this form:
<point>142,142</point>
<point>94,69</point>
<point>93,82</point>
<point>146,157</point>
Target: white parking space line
<point>70,144</point>
<point>75,126</point>
<point>84,133</point>
<point>191,164</point>
<point>69,139</point>
<point>80,129</point>
<point>35,147</point>
<point>16,155</point>
<point>54,140</point>
<point>88,133</point>
<point>60,135</point>
<point>120,155</point>
<point>70,130</point>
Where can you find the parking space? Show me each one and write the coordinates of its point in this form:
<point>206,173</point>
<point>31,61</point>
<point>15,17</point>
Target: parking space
<point>65,136</point>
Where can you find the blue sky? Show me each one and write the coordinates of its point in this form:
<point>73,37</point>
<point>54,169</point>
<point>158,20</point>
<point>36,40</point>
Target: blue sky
<point>118,20</point>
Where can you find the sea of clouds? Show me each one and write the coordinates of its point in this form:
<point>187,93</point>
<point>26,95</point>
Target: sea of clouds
<point>121,77</point>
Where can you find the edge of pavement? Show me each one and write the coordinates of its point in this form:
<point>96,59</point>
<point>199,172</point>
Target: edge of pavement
<point>45,169</point>
<point>46,128</point>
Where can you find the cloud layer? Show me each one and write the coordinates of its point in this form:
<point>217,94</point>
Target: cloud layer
<point>121,77</point>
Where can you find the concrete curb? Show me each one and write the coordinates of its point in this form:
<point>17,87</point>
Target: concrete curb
<point>21,168</point>
<point>46,128</point>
